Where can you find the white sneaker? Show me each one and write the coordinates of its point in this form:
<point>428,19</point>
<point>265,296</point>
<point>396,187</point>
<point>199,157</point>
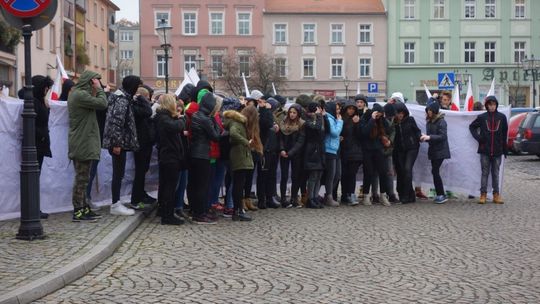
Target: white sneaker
<point>367,200</point>
<point>384,200</point>
<point>119,209</point>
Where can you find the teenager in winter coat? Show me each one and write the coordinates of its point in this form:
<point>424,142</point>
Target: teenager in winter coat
<point>436,136</point>
<point>291,142</point>
<point>490,130</point>
<point>314,155</point>
<point>334,125</point>
<point>406,146</point>
<point>171,155</point>
<point>351,152</point>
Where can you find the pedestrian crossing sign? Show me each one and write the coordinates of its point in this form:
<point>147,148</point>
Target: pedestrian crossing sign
<point>446,81</point>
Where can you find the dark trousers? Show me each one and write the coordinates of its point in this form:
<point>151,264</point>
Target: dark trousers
<point>330,173</point>
<point>169,174</point>
<point>266,177</point>
<point>374,161</point>
<point>248,183</point>
<point>142,164</point>
<point>82,172</point>
<point>437,180</point>
<point>404,162</point>
<point>239,179</point>
<point>198,185</point>
<point>314,183</point>
<point>348,176</point>
<point>93,173</point>
<point>119,167</point>
<point>296,167</point>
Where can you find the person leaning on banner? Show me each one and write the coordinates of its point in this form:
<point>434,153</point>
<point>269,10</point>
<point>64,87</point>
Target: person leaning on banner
<point>84,144</point>
<point>490,129</point>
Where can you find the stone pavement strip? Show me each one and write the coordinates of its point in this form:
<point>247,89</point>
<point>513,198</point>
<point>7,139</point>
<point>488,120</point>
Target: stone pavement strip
<point>459,252</point>
<point>31,270</point>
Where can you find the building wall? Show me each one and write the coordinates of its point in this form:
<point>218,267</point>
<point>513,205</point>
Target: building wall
<point>323,51</point>
<point>454,29</point>
<point>200,43</point>
<point>129,64</point>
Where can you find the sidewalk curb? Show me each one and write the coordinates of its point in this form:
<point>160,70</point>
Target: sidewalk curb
<point>76,269</point>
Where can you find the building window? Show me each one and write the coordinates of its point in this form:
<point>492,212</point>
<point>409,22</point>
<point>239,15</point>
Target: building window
<point>309,33</point>
<point>102,18</point>
<point>519,51</point>
<point>280,33</point>
<point>281,67</point>
<point>489,52</point>
<point>438,52</point>
<point>409,52</point>
<point>39,38</point>
<point>126,72</point>
<point>309,68</point>
<point>337,67</point>
<point>216,24</point>
<point>336,33</point>
<point>519,9</point>
<point>490,8</point>
<point>365,33</point>
<point>160,65</point>
<point>438,9</point>
<point>470,9</point>
<point>410,6</point>
<point>470,52</point>
<point>244,24</point>
<point>217,65</point>
<point>102,57</point>
<point>95,14</point>
<point>95,58</point>
<point>190,61</point>
<point>126,54</point>
<point>365,67</point>
<point>243,61</point>
<point>52,38</point>
<point>126,36</point>
<point>162,18</point>
<point>190,23</point>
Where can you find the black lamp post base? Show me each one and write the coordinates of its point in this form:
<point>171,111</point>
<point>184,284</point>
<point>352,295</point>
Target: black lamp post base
<point>30,232</point>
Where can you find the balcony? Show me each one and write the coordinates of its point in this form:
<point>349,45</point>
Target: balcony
<point>111,35</point>
<point>69,10</point>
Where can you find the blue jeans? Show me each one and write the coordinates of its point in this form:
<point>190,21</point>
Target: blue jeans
<point>490,163</point>
<point>217,176</point>
<point>181,190</point>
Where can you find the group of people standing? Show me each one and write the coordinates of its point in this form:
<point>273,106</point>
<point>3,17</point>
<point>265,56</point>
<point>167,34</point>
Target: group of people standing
<point>206,141</point>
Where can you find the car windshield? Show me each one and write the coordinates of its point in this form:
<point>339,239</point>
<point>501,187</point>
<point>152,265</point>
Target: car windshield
<point>536,122</point>
<point>527,121</point>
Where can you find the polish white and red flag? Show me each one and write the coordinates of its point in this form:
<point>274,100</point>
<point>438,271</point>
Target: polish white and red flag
<point>61,75</point>
<point>469,100</point>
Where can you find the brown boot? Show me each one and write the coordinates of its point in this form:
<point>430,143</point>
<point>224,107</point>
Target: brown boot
<point>497,199</point>
<point>304,200</point>
<point>250,205</point>
<point>483,198</point>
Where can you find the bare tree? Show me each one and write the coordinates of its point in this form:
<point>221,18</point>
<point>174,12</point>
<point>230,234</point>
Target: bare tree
<point>231,75</point>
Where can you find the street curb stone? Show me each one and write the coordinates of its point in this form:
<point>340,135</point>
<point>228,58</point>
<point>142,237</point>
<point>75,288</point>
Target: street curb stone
<point>76,269</point>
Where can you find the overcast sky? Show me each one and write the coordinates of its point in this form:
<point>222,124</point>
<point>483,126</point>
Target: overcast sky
<point>129,9</point>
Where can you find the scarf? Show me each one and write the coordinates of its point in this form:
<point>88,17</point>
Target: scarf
<point>287,127</point>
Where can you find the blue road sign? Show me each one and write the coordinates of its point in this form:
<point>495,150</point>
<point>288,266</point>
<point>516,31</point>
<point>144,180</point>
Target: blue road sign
<point>446,81</point>
<point>373,87</point>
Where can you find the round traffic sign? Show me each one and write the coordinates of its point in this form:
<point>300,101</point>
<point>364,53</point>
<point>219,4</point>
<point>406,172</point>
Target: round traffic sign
<point>46,9</point>
<point>25,8</point>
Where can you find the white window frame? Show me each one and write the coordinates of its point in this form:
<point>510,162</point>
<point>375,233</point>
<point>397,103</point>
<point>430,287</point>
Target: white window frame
<point>409,9</point>
<point>52,38</point>
<point>238,13</point>
<point>439,6</point>
<point>102,18</point>
<point>314,33</point>
<point>95,55</point>
<point>192,62</point>
<point>217,73</point>
<point>278,67</point>
<point>519,52</point>
<point>439,53</point>
<point>409,52</point>
<point>210,21</point>
<point>102,56</point>
<point>370,66</point>
<point>468,5</point>
<point>487,9</point>
<point>342,31</point>
<point>468,50</point>
<point>126,72</point>
<point>196,27</point>
<point>314,67</point>
<point>286,33</point>
<point>360,31</point>
<point>491,51</point>
<point>157,21</point>
<point>247,74</point>
<point>95,8</point>
<point>342,69</point>
<point>126,36</point>
<point>163,62</point>
<point>520,9</point>
<point>124,54</point>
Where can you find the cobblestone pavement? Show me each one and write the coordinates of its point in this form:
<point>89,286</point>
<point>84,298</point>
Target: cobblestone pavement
<point>459,252</point>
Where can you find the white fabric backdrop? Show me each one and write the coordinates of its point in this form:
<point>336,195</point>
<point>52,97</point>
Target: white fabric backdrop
<point>57,172</point>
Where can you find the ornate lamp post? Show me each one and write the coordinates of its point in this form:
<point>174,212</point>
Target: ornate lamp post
<point>530,66</point>
<point>164,33</point>
<point>346,83</point>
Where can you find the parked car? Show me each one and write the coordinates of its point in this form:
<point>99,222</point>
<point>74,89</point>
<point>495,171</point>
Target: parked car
<point>528,137</point>
<point>513,128</point>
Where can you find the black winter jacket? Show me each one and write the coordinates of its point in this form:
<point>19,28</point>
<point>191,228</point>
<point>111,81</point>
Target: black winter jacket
<point>351,146</point>
<point>204,128</point>
<point>491,131</point>
<point>171,149</point>
<point>145,127</point>
<point>367,123</point>
<point>407,135</point>
<point>438,142</point>
<point>314,152</point>
<point>43,141</point>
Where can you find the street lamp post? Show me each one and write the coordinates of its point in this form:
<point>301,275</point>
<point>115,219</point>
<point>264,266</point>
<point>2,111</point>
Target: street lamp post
<point>200,65</point>
<point>346,83</point>
<point>461,79</point>
<point>164,33</point>
<point>530,65</point>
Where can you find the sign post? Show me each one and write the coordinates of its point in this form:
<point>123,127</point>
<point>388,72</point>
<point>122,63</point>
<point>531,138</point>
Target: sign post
<point>446,81</point>
<point>29,16</point>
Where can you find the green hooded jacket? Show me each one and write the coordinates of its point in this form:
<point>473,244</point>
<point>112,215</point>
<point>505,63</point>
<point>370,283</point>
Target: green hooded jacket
<point>84,142</point>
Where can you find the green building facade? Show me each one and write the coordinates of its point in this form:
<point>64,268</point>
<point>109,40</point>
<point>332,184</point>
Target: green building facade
<point>483,39</point>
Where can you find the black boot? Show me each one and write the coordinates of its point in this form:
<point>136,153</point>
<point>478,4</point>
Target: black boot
<point>285,203</point>
<point>240,216</point>
<point>270,203</point>
<point>261,203</point>
<point>172,220</point>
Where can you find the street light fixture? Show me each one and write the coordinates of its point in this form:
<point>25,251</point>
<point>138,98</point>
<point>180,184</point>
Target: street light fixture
<point>531,65</point>
<point>164,33</point>
<point>346,83</point>
<point>200,65</point>
<point>461,79</point>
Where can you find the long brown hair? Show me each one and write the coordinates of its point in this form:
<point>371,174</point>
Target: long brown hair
<point>252,127</point>
<point>378,130</point>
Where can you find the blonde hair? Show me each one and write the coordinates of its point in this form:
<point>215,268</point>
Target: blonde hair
<point>168,102</point>
<point>143,91</point>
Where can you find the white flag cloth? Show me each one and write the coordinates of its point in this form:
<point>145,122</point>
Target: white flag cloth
<point>274,88</point>
<point>5,91</point>
<point>56,90</point>
<point>245,85</point>
<point>183,84</point>
<point>60,68</point>
<point>428,93</point>
<point>358,88</point>
<point>491,91</point>
<point>193,76</point>
<point>469,100</point>
<point>456,106</point>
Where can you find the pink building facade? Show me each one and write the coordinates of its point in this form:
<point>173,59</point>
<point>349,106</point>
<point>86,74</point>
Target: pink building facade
<point>208,30</point>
